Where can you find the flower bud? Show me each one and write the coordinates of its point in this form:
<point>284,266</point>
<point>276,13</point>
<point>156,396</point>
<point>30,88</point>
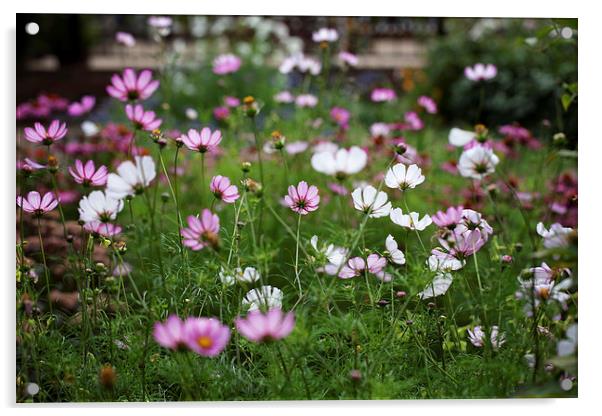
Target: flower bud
<point>245,167</point>
<point>355,375</point>
<point>278,140</point>
<point>164,197</point>
<point>53,164</point>
<point>400,148</point>
<point>107,376</point>
<point>250,106</point>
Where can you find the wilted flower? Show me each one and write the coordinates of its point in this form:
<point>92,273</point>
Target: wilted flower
<point>477,337</point>
<point>341,163</point>
<point>410,220</point>
<point>203,141</point>
<point>264,298</point>
<point>480,72</point>
<point>368,200</point>
<point>131,86</point>
<point>37,204</point>
<point>302,199</point>
<point>79,108</point>
<point>131,179</point>
<point>99,206</point>
<point>142,119</point>
<point>87,174</point>
<point>477,162</point>
<point>201,231</point>
<point>226,64</point>
<point>223,190</point>
<point>206,336</point>
<point>272,325</point>
<point>40,135</point>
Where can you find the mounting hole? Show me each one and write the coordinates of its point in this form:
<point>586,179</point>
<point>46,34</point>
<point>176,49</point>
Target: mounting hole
<point>32,28</point>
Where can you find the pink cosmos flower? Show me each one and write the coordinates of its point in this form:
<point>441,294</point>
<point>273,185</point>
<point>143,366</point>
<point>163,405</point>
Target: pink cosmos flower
<point>428,104</point>
<point>231,101</point>
<point>104,229</point>
<point>374,264</point>
<point>294,148</point>
<point>354,267</point>
<point>340,116</point>
<point>143,120</point>
<point>306,100</point>
<point>480,72</point>
<point>462,244</point>
<point>87,174</point>
<point>36,204</point>
<point>302,199</point>
<point>337,188</point>
<point>40,135</point>
<point>201,232</point>
<point>272,325</point>
<point>171,333</point>
<point>126,39</point>
<point>380,95</point>
<point>221,113</point>
<point>348,58</point>
<point>284,97</point>
<point>450,218</point>
<point>226,64</point>
<point>132,87</point>
<point>206,336</point>
<point>203,141</point>
<point>222,189</point>
<point>79,108</point>
<point>413,121</point>
<point>160,22</point>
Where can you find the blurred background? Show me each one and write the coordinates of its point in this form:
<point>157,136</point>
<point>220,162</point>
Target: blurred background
<point>73,55</point>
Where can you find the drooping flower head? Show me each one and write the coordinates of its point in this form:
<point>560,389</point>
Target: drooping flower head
<point>341,162</point>
<point>40,135</point>
<point>223,190</point>
<point>142,119</point>
<point>480,72</point>
<point>302,199</point>
<point>131,86</point>
<point>202,231</point>
<point>87,174</point>
<point>99,206</point>
<point>401,177</point>
<point>203,141</point>
<point>36,204</point>
<point>226,64</point>
<point>368,200</point>
<point>206,336</point>
<point>272,325</point>
<point>131,178</point>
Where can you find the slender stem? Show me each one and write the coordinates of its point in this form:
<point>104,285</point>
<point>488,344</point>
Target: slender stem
<point>175,199</point>
<point>46,274</point>
<point>202,196</point>
<point>297,257</point>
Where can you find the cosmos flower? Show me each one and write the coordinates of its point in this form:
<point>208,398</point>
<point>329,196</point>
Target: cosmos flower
<point>104,229</point>
<point>40,135</point>
<point>306,100</point>
<point>404,177</point>
<point>296,147</point>
<point>264,298</point>
<point>203,141</point>
<point>395,255</point>
<point>300,62</point>
<point>223,190</point>
<point>333,254</point>
<point>87,174</point>
<point>131,179</point>
<point>477,162</point>
<point>170,334</point>
<point>348,58</point>
<point>450,218</point>
<point>463,243</point>
<point>125,38</point>
<point>325,35</point>
<point>440,261</point>
<point>248,275</point>
<point>340,116</point>
<point>354,267</point>
<point>380,95</point>
<point>284,97</point>
<point>341,163</point>
<point>437,287</point>
<point>36,204</point>
<point>99,206</point>
<point>410,220</point>
<point>202,231</point>
<point>480,72</point>
<point>142,119</point>
<point>131,86</point>
<point>302,199</point>
<point>413,121</point>
<point>428,104</point>
<point>380,130</point>
<point>272,325</point>
<point>368,200</point>
<point>226,64</point>
<point>568,345</point>
<point>79,108</point>
<point>477,337</point>
<point>556,236</point>
<point>460,138</point>
<point>205,336</point>
<point>473,220</point>
<point>221,113</point>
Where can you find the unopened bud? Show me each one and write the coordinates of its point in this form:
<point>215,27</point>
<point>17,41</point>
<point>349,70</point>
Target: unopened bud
<point>245,167</point>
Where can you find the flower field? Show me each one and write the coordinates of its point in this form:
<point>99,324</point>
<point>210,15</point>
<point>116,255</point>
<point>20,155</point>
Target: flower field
<point>261,224</point>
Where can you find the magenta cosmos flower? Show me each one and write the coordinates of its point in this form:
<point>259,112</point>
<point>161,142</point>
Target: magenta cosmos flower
<point>131,86</point>
<point>272,325</point>
<point>170,334</point>
<point>206,336</point>
<point>143,120</point>
<point>450,218</point>
<point>79,108</point>
<point>203,141</point>
<point>36,204</point>
<point>303,199</point>
<point>226,64</point>
<point>201,231</point>
<point>222,189</point>
<point>380,95</point>
<point>104,229</point>
<point>87,174</point>
<point>428,104</point>
<point>340,116</point>
<point>38,134</point>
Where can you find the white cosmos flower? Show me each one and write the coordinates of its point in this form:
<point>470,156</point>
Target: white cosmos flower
<point>265,297</point>
<point>444,262</point>
<point>131,178</point>
<point>367,199</point>
<point>335,255</point>
<point>441,282</point>
<point>248,275</point>
<point>568,345</point>
<point>460,138</point>
<point>98,206</point>
<point>477,162</point>
<point>556,236</point>
<point>325,35</point>
<point>395,254</point>
<point>410,221</point>
<point>343,162</point>
<point>226,278</point>
<point>402,177</point>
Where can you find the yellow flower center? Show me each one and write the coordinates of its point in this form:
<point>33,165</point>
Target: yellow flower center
<point>205,342</point>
